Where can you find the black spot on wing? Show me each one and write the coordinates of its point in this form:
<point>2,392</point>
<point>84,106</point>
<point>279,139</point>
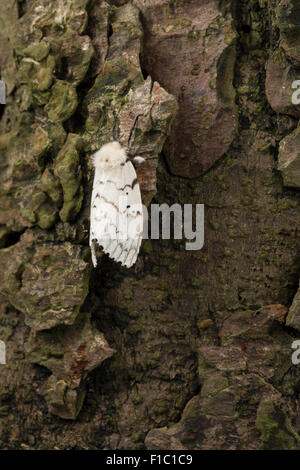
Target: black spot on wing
<point>126,161</point>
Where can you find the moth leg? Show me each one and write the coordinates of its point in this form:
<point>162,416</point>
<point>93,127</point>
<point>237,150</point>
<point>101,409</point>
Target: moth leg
<point>138,160</point>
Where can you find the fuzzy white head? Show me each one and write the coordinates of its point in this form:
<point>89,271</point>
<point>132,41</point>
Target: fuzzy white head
<point>109,156</point>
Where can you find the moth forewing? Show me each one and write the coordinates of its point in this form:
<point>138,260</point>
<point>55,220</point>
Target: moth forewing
<point>116,206</point>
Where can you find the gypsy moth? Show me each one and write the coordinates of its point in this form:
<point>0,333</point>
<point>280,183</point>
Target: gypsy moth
<point>116,217</point>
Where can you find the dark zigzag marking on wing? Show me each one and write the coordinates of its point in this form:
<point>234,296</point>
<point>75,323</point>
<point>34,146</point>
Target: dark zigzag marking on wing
<point>108,202</point>
<point>132,185</point>
<point>115,206</point>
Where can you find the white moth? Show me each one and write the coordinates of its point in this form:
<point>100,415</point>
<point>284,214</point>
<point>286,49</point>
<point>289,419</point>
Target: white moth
<point>116,207</point>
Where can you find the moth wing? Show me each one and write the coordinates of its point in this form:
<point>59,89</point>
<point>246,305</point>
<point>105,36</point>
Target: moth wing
<point>117,215</point>
<point>134,212</point>
<point>104,209</point>
<point>130,221</point>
